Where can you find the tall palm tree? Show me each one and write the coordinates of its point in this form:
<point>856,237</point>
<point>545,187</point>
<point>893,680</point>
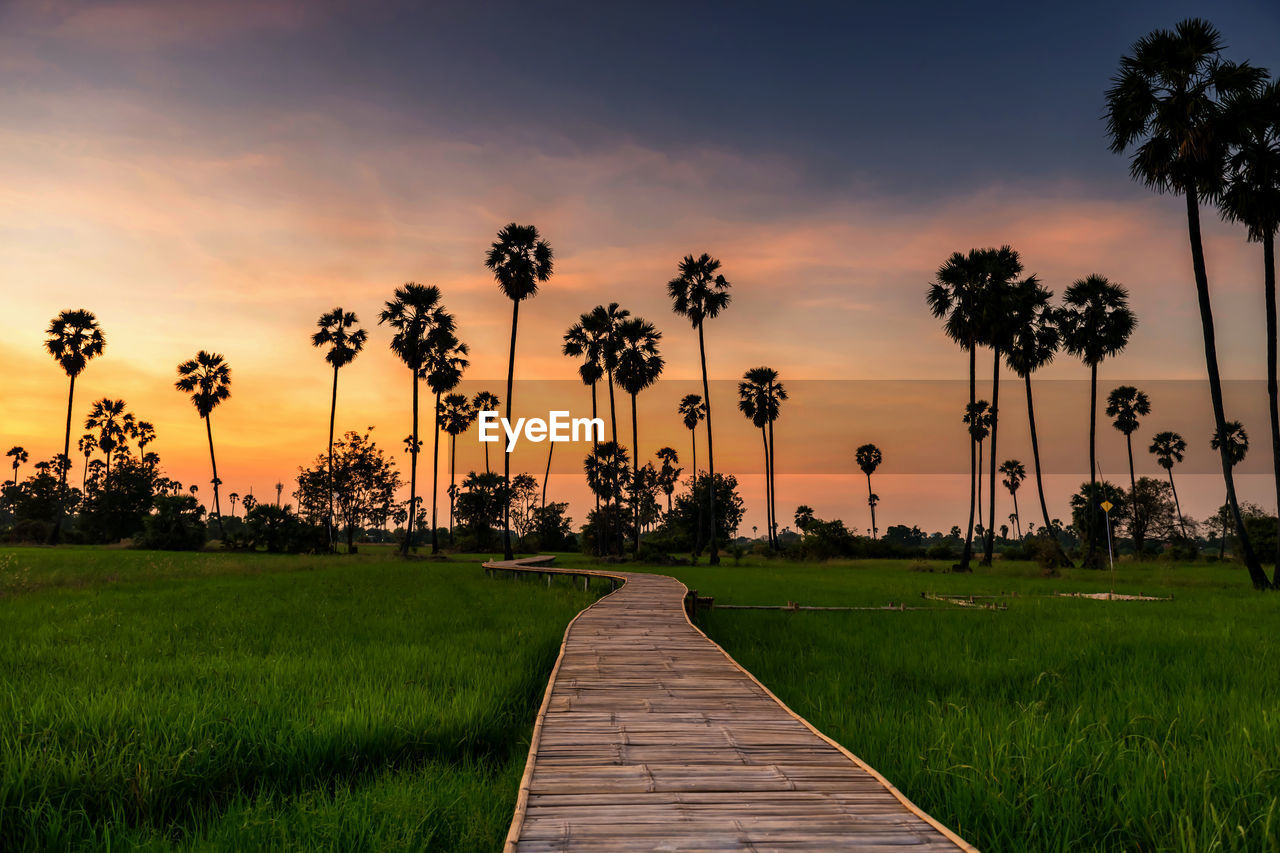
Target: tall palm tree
<point>144,433</point>
<point>1002,267</point>
<point>700,292</point>
<point>956,297</point>
<point>978,418</point>
<point>446,360</point>
<point>207,378</point>
<point>414,313</point>
<point>1126,404</point>
<point>1167,104</point>
<point>586,339</point>
<point>520,260</point>
<point>1168,448</point>
<point>87,444</point>
<point>639,366</point>
<point>606,470</point>
<point>600,325</point>
<point>1252,198</point>
<point>692,410</point>
<point>1033,342</point>
<point>1095,323</point>
<point>484,401</point>
<point>339,332</point>
<point>73,339</point>
<point>19,456</point>
<point>234,497</point>
<point>1014,473</point>
<point>456,415</point>
<point>869,458</point>
<point>668,474</point>
<point>113,424</point>
<point>1234,442</point>
<point>760,397</point>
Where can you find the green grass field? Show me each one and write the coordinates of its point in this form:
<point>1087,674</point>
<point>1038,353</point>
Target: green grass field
<point>265,702</point>
<point>250,702</point>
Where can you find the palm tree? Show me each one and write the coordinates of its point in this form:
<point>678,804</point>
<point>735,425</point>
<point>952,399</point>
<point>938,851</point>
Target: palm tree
<point>587,339</point>
<point>113,424</point>
<point>978,419</point>
<point>700,292</point>
<point>446,360</point>
<point>279,489</point>
<point>692,410</point>
<point>73,339</point>
<point>600,325</point>
<point>639,366</point>
<point>207,378</point>
<point>457,415</point>
<point>1033,342</point>
<point>1168,100</point>
<point>869,458</point>
<point>520,260</point>
<point>1095,323</point>
<point>1168,448</point>
<point>485,402</point>
<point>1014,473</point>
<point>19,457</point>
<point>1126,404</point>
<point>1252,198</point>
<point>337,331</point>
<point>144,433</point>
<point>760,397</point>
<point>414,313</point>
<point>1234,442</point>
<point>668,474</point>
<point>234,497</point>
<point>956,296</point>
<point>87,444</point>
<point>606,470</point>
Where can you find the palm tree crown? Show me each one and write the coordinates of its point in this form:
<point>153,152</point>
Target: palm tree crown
<point>692,410</point>
<point>1236,441</point>
<point>73,338</point>
<point>1126,404</point>
<point>413,313</point>
<point>760,395</point>
<point>638,363</point>
<point>1096,321</point>
<point>1252,192</point>
<point>207,378</point>
<point>1033,328</point>
<point>519,260</point>
<point>699,291</point>
<point>868,457</point>
<point>1168,449</point>
<point>338,332</point>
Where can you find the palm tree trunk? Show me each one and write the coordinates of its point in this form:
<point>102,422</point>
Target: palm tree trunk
<point>413,469</point>
<point>1139,535</point>
<point>453,467</point>
<point>773,485</point>
<point>980,524</point>
<point>84,480</point>
<point>1254,567</point>
<point>507,553</point>
<point>1182,524</point>
<point>635,477</point>
<point>990,545</point>
<point>967,554</point>
<point>613,410</point>
<point>872,504</point>
<point>1090,559</point>
<point>1017,516</point>
<point>551,446</point>
<point>66,451</point>
<point>1269,286</point>
<point>693,490</point>
<point>595,449</point>
<point>1035,455</point>
<point>714,558</point>
<point>768,502</point>
<point>435,482</point>
<point>217,507</point>
<point>333,410</point>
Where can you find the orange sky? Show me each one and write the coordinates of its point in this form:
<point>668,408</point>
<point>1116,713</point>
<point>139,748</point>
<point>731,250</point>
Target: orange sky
<point>184,227</point>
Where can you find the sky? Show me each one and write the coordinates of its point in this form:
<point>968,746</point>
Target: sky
<point>215,176</point>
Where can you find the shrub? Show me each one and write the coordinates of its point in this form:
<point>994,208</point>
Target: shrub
<point>176,525</point>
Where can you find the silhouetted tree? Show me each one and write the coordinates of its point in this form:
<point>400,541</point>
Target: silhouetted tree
<point>73,339</point>
<point>1168,448</point>
<point>19,457</point>
<point>113,424</point>
<point>639,366</point>
<point>869,459</point>
<point>760,397</point>
<point>692,410</point>
<point>1014,473</point>
<point>339,332</point>
<point>700,292</point>
<point>1095,323</point>
<point>456,415</point>
<point>486,402</point>
<point>446,361</point>
<point>520,260</point>
<point>207,378</point>
<point>87,444</point>
<point>668,474</point>
<point>1167,103</point>
<point>1126,404</point>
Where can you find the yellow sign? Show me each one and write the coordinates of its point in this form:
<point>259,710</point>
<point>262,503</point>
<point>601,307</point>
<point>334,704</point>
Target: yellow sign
<point>1106,506</point>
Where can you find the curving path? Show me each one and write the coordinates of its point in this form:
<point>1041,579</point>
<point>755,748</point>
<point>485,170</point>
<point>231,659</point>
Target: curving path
<point>650,737</point>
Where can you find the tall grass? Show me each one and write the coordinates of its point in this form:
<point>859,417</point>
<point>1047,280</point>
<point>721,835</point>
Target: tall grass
<point>265,702</point>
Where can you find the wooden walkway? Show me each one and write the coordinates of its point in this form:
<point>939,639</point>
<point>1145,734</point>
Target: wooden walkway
<point>650,737</point>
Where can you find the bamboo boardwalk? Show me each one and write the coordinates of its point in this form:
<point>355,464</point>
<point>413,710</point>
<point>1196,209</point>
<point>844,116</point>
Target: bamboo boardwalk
<point>650,737</point>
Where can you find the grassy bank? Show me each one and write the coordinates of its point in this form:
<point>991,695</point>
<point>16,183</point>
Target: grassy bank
<point>255,701</point>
